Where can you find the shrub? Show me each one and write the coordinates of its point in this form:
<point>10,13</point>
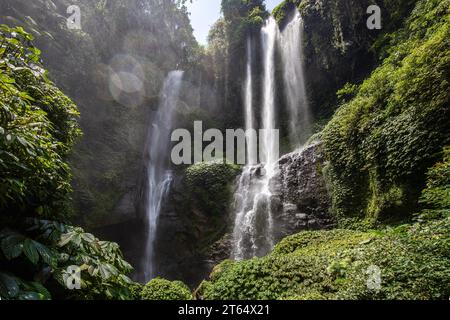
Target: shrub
<point>210,185</point>
<point>339,264</point>
<point>136,290</point>
<point>161,289</point>
<point>37,130</point>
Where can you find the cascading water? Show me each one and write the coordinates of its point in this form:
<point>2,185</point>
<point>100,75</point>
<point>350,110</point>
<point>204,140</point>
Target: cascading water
<point>253,226</point>
<point>270,34</point>
<point>294,81</point>
<point>252,155</point>
<point>159,177</point>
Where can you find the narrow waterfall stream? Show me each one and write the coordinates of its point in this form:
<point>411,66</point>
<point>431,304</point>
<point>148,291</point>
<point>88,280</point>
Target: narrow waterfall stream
<point>291,45</point>
<point>252,150</point>
<point>159,177</point>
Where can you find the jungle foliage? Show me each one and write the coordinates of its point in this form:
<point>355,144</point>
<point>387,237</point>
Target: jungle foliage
<point>388,140</point>
<point>381,142</point>
<point>150,36</point>
<point>210,184</point>
<point>37,131</point>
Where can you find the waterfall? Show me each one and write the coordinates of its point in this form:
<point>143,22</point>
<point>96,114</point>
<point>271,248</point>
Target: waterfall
<point>159,177</point>
<point>252,156</point>
<point>294,81</point>
<point>269,154</point>
<point>253,225</point>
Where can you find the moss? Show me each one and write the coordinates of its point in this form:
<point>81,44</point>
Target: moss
<point>436,197</point>
<point>437,193</point>
<point>136,290</point>
<point>161,289</point>
<point>210,185</point>
<point>380,143</point>
<point>339,264</point>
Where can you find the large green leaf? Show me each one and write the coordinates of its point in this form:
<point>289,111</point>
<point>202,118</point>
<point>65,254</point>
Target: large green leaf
<point>38,287</point>
<point>11,244</point>
<point>31,296</point>
<point>66,238</point>
<point>30,250</point>
<point>46,254</point>
<point>88,237</point>
<point>9,286</point>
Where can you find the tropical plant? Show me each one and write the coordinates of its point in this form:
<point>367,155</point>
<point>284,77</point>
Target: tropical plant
<point>38,126</point>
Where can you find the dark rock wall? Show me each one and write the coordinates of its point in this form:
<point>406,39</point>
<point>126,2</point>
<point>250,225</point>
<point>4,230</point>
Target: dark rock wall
<point>301,200</point>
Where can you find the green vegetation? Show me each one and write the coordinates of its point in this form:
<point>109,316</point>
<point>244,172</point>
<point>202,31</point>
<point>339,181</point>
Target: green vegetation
<point>336,265</point>
<point>381,142</point>
<point>115,34</point>
<point>387,150</point>
<point>161,289</point>
<point>227,41</point>
<point>436,197</point>
<point>413,259</point>
<point>210,184</point>
<point>37,130</point>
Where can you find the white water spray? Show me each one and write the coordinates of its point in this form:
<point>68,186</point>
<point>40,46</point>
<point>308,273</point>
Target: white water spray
<point>159,177</point>
<point>252,156</point>
<point>294,81</point>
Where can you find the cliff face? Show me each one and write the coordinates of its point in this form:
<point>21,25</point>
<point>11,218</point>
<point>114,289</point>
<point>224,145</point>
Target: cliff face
<point>339,48</point>
<point>301,197</point>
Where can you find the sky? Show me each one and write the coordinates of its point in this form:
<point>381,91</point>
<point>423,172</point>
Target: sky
<point>205,12</point>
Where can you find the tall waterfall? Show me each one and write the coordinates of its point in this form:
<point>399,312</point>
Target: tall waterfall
<point>159,177</point>
<point>252,155</point>
<point>253,226</point>
<point>294,81</point>
<point>270,34</point>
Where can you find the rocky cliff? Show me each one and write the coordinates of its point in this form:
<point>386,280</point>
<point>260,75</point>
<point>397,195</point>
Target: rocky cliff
<point>302,201</point>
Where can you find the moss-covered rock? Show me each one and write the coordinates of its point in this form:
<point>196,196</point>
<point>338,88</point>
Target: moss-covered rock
<point>210,185</point>
<point>380,143</point>
<point>299,188</point>
<point>410,261</point>
<point>405,262</point>
<point>161,289</point>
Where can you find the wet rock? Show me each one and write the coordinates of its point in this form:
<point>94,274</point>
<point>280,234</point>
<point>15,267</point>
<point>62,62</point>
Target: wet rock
<point>301,188</point>
<point>220,250</point>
